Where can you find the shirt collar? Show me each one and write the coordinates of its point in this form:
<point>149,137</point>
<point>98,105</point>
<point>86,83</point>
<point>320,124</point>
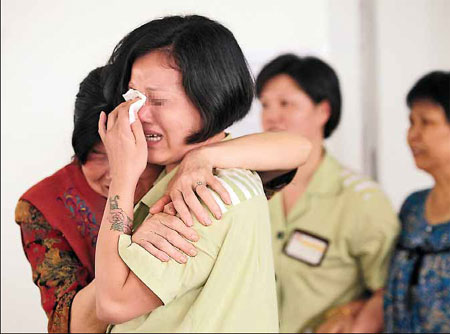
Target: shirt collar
<point>159,187</point>
<point>326,179</point>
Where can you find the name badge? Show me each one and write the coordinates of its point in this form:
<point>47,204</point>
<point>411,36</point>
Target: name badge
<point>306,247</point>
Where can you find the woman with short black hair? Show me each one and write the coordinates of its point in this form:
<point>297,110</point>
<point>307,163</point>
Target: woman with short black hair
<point>417,299</point>
<point>205,75</point>
<point>315,77</point>
<point>197,84</point>
<point>333,230</point>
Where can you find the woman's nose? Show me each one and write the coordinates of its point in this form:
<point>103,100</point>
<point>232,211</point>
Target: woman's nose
<point>145,113</point>
<point>413,132</point>
<point>271,116</point>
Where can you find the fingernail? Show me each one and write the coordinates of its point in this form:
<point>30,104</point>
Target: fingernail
<point>183,259</point>
<point>166,258</point>
<point>208,221</point>
<point>194,237</point>
<point>218,215</point>
<point>192,252</point>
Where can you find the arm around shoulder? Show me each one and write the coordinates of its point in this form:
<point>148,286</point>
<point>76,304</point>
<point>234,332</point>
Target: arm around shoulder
<point>265,151</point>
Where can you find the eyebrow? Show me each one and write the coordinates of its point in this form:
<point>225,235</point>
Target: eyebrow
<point>131,84</point>
<point>151,89</point>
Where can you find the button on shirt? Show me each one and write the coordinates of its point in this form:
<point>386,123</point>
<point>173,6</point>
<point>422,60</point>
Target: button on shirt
<point>344,217</point>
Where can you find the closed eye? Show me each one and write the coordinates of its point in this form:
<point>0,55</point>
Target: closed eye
<point>157,102</point>
<point>284,103</point>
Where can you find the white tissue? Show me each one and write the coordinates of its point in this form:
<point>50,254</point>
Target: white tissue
<point>131,94</point>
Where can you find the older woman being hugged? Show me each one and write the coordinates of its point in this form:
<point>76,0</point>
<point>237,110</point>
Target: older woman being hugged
<point>60,216</point>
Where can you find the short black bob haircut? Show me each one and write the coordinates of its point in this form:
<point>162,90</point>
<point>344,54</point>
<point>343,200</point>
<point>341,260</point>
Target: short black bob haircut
<point>89,103</point>
<point>215,74</point>
<point>433,87</point>
<point>315,77</point>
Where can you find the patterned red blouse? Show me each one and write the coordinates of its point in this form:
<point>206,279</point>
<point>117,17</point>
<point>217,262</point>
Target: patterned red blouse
<point>59,220</point>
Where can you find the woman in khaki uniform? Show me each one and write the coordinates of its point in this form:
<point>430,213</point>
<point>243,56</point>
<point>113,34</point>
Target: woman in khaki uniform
<point>333,230</point>
<point>230,285</point>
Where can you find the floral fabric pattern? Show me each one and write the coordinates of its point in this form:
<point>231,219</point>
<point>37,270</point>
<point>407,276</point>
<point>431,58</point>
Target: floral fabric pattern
<point>55,267</point>
<point>417,299</point>
<point>81,214</point>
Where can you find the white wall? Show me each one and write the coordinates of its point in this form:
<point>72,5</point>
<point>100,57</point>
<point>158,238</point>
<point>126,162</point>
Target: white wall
<point>412,39</point>
<point>49,46</point>
<point>344,55</point>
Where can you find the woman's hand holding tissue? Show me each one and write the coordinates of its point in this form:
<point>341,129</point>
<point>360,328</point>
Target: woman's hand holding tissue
<point>125,144</point>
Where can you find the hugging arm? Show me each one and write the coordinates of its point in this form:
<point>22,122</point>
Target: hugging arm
<point>275,154</point>
<point>266,151</point>
<point>272,154</point>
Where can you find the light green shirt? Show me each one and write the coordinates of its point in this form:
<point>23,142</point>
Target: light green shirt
<point>230,285</point>
<point>360,226</point>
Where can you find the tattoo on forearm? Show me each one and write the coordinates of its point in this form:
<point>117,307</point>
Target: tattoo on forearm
<point>114,203</point>
<point>117,217</point>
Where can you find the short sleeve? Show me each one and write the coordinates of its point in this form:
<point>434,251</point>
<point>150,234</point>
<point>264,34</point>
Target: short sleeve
<point>374,237</point>
<point>169,280</point>
<point>56,270</point>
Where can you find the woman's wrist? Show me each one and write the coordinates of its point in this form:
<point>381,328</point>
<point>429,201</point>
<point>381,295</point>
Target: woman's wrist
<point>122,188</point>
<point>205,154</point>
<point>123,183</point>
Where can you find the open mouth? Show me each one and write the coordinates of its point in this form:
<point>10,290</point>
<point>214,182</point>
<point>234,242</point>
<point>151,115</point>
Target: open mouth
<point>153,137</point>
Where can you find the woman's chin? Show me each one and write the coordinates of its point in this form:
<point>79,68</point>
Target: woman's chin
<point>422,164</point>
<point>163,157</point>
<point>156,159</point>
